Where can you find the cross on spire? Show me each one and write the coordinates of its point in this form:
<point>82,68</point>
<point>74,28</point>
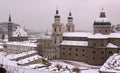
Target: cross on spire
<point>57,12</point>
<point>70,14</point>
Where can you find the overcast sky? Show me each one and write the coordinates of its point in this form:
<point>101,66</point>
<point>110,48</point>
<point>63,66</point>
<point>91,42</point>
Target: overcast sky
<point>39,14</point>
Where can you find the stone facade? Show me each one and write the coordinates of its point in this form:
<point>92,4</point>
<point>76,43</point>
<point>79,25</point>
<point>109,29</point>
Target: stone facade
<point>95,53</point>
<point>44,48</point>
<point>92,48</point>
<point>18,47</point>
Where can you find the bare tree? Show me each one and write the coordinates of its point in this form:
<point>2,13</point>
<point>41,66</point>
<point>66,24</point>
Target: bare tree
<point>76,69</point>
<point>58,66</point>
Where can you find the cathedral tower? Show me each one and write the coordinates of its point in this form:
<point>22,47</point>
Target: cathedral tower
<point>9,28</point>
<point>102,24</point>
<point>57,30</point>
<point>70,25</point>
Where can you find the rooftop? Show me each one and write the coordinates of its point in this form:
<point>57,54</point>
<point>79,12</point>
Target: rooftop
<point>75,43</point>
<point>91,35</point>
<point>22,44</point>
<point>112,65</point>
<point>20,32</point>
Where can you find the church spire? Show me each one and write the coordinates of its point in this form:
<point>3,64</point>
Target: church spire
<point>57,16</point>
<point>57,12</point>
<point>70,18</point>
<point>70,14</point>
<point>102,13</point>
<point>9,17</point>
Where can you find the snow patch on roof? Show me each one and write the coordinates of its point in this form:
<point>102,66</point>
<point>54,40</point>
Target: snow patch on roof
<point>102,20</point>
<point>91,35</point>
<point>29,59</point>
<point>22,44</point>
<point>98,36</point>
<point>75,43</point>
<point>110,45</point>
<point>114,35</point>
<point>20,32</point>
<point>76,34</point>
<point>14,56</point>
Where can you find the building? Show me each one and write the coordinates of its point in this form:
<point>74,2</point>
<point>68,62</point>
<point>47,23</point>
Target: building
<point>18,35</point>
<point>92,48</point>
<point>112,65</point>
<point>18,47</point>
<point>26,58</point>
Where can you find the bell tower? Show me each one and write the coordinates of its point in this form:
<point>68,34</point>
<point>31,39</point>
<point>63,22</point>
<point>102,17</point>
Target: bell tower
<point>9,28</point>
<point>57,31</point>
<point>70,25</point>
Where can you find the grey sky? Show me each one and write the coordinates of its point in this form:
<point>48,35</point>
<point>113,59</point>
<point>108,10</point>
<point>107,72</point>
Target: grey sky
<point>39,14</point>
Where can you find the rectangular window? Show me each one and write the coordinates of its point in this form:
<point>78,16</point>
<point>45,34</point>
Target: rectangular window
<point>55,29</point>
<point>93,52</point>
<point>94,44</point>
<point>76,54</point>
<point>83,49</point>
<point>69,53</point>
<point>102,52</point>
<point>63,48</point>
<point>60,29</point>
<point>93,58</point>
<point>76,49</point>
<point>102,58</point>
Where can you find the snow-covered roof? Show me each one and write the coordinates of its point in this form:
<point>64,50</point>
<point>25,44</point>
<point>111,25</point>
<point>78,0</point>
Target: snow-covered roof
<point>114,35</point>
<point>29,59</point>
<point>14,56</point>
<point>98,36</point>
<point>110,45</point>
<point>45,37</point>
<point>20,32</point>
<point>75,43</point>
<point>1,47</point>
<point>112,65</point>
<point>22,44</point>
<point>76,34</point>
<point>91,35</point>
<point>102,20</point>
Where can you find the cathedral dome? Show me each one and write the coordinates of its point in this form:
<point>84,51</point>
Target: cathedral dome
<point>102,20</point>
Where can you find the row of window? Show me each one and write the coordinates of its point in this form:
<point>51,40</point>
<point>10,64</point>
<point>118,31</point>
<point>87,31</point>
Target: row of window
<point>93,52</point>
<point>84,55</point>
<point>75,54</point>
<point>96,58</point>
<point>94,44</point>
<point>71,49</point>
<point>104,31</point>
<point>56,29</point>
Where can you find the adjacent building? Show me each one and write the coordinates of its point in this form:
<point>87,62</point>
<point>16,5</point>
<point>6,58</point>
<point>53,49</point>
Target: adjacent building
<point>18,35</point>
<point>19,47</point>
<point>112,65</point>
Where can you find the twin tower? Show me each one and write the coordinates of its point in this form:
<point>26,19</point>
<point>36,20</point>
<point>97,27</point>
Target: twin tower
<point>57,31</point>
<point>69,25</point>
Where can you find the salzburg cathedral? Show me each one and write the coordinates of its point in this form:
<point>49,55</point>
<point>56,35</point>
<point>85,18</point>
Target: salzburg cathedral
<point>90,47</point>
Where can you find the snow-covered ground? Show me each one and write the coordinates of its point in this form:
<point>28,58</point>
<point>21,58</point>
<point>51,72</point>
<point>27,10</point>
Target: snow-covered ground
<point>67,66</point>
